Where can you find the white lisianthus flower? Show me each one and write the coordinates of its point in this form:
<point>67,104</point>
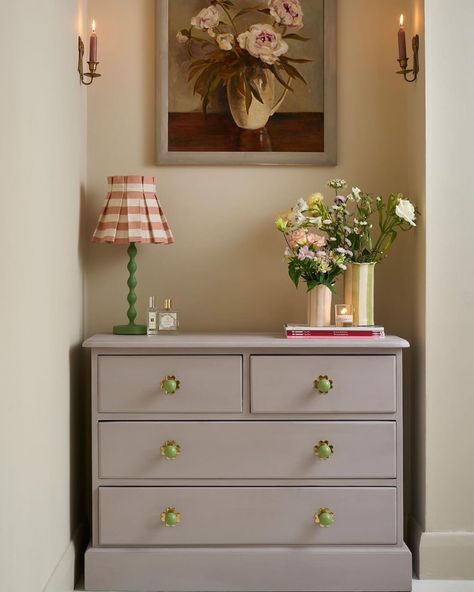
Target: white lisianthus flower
<point>316,222</point>
<point>181,38</point>
<point>287,13</point>
<point>225,41</point>
<point>301,205</point>
<point>405,210</point>
<point>206,20</point>
<point>263,42</point>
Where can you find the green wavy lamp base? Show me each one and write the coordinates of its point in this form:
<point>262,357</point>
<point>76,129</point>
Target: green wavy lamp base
<point>130,330</point>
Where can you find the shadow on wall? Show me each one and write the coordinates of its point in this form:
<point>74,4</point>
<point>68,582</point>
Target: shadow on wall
<point>79,424</point>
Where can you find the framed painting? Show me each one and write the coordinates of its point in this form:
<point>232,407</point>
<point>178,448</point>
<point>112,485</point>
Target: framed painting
<point>246,82</point>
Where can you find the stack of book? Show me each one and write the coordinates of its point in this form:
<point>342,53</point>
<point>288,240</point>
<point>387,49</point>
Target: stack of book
<point>307,332</point>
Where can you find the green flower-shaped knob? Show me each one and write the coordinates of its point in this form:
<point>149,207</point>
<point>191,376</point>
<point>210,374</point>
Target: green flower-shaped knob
<point>169,385</point>
<point>323,384</point>
<point>324,450</point>
<point>170,517</point>
<point>170,449</point>
<point>324,518</point>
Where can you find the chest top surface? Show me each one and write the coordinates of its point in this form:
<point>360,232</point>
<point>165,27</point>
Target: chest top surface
<point>241,341</point>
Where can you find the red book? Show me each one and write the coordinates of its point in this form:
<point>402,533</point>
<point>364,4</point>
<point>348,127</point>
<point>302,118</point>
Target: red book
<point>302,332</point>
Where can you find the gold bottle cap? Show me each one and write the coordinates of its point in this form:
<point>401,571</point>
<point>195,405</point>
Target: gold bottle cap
<point>167,304</point>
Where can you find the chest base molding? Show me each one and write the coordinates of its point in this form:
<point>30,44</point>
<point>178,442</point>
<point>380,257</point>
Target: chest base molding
<point>249,569</point>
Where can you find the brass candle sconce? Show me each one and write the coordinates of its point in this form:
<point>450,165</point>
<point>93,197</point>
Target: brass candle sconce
<point>92,67</point>
<point>410,75</point>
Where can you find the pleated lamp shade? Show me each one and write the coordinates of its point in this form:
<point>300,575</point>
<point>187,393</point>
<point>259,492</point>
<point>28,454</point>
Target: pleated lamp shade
<point>132,213</point>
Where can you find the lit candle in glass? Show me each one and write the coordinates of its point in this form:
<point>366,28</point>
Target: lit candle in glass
<point>344,315</point>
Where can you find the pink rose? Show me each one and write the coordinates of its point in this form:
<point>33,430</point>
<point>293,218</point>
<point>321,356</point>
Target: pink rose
<point>297,238</point>
<point>316,240</point>
<point>287,13</point>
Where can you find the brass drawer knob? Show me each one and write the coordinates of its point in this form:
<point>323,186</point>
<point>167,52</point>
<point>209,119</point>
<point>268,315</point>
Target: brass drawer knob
<point>325,518</point>
<point>323,384</point>
<point>169,385</point>
<point>170,450</point>
<point>170,517</point>
<point>324,450</point>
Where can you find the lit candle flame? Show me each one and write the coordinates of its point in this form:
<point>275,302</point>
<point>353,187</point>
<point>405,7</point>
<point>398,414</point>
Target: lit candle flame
<point>93,25</point>
<point>401,20</point>
<point>344,311</point>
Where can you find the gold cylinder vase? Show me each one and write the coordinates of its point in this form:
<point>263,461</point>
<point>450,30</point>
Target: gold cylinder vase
<point>359,281</point>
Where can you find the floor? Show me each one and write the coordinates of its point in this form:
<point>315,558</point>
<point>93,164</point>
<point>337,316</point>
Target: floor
<point>422,586</point>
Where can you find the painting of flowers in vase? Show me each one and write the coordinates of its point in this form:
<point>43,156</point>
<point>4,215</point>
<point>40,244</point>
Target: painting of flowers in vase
<point>246,82</point>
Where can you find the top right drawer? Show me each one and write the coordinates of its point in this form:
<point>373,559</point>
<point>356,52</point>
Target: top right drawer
<point>323,384</point>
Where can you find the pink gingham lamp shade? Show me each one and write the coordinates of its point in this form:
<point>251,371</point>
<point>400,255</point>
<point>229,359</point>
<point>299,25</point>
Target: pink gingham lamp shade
<point>132,213</point>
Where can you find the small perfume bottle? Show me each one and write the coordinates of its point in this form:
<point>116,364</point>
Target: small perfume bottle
<point>152,326</point>
<point>168,318</point>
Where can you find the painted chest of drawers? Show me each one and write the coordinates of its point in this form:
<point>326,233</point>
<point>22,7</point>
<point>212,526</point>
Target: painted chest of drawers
<point>246,463</point>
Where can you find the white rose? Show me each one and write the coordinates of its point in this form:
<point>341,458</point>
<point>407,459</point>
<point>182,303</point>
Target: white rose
<point>406,211</point>
<point>263,42</point>
<point>225,41</point>
<point>181,38</point>
<point>287,13</point>
<point>207,19</point>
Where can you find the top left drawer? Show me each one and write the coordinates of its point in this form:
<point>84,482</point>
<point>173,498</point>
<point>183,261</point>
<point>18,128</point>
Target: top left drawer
<point>149,384</point>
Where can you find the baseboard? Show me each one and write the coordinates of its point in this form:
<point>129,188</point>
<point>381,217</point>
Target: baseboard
<point>442,555</point>
<point>68,569</point>
<point>249,569</point>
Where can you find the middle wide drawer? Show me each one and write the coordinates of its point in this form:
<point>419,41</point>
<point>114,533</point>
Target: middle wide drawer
<point>247,450</point>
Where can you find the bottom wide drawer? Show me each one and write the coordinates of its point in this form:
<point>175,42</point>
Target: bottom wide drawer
<point>247,515</point>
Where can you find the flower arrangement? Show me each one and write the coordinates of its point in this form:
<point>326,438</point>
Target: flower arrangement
<point>322,241</point>
<point>318,247</point>
<point>244,58</point>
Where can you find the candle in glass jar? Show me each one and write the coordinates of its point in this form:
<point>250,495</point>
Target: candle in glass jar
<point>93,45</point>
<point>344,315</point>
<point>402,44</point>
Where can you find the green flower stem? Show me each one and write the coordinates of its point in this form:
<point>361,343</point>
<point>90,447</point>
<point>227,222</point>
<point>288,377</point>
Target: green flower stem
<point>232,23</point>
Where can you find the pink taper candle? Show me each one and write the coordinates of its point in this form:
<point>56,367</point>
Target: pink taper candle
<point>402,46</point>
<point>93,45</point>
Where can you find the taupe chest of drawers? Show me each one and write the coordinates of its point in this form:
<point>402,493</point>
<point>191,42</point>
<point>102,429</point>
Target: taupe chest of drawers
<point>223,483</point>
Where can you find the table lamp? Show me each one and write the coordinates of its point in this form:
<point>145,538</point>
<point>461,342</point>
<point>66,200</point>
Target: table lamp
<point>132,214</point>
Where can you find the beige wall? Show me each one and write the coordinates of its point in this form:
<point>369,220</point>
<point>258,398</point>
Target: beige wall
<point>446,535</point>
<point>42,149</point>
<point>225,271</point>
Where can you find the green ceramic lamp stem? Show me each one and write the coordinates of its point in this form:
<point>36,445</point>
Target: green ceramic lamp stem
<point>131,328</point>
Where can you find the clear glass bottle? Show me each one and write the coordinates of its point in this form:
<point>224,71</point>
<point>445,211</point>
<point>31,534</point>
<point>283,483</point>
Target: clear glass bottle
<point>168,319</point>
<point>152,324</point>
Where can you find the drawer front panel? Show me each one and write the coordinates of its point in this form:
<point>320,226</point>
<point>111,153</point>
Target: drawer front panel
<point>245,515</point>
<point>247,450</point>
<point>207,384</point>
<point>360,384</point>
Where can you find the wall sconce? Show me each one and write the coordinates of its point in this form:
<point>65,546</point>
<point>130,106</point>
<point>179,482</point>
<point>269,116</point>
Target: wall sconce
<point>402,54</point>
<point>93,63</point>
